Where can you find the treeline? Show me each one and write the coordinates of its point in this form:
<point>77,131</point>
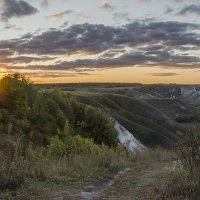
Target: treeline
<point>37,116</point>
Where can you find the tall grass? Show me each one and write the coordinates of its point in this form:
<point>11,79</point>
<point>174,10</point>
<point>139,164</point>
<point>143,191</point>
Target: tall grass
<point>183,182</point>
<point>148,155</point>
<point>20,166</point>
<point>29,168</point>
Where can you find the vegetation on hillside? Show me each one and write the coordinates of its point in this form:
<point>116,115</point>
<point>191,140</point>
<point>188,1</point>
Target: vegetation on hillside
<point>38,116</point>
<point>50,139</point>
<point>41,128</point>
<point>147,123</point>
<point>183,182</point>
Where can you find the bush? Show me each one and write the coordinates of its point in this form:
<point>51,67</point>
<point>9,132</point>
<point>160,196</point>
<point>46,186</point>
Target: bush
<point>56,147</point>
<point>18,165</point>
<point>99,127</point>
<point>72,145</point>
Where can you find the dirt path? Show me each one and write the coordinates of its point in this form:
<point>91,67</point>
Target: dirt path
<point>130,184</point>
<point>137,184</point>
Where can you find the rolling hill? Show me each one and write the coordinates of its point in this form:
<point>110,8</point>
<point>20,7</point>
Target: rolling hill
<point>154,114</point>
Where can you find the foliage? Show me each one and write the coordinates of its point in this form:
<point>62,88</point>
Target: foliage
<point>72,145</point>
<point>22,166</point>
<point>56,147</point>
<point>39,115</point>
<point>98,126</point>
<point>15,93</point>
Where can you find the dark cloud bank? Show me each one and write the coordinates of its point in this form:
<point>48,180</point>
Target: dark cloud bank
<point>16,8</point>
<point>150,44</point>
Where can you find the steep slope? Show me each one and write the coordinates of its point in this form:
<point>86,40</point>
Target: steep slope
<point>157,114</point>
<point>150,126</point>
<point>127,139</point>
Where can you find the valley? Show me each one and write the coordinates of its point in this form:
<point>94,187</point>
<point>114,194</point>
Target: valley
<point>155,114</point>
<point>98,141</point>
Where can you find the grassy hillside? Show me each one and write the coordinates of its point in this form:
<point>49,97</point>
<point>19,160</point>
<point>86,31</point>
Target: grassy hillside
<point>147,124</point>
<point>52,139</point>
<point>155,114</point>
<point>42,134</point>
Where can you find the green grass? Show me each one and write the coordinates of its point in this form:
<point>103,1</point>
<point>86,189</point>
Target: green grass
<point>146,122</point>
<point>152,121</point>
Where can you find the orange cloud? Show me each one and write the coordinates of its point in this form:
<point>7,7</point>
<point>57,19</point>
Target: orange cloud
<point>59,15</point>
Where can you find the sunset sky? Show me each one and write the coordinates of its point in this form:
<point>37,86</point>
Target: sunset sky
<point>146,41</point>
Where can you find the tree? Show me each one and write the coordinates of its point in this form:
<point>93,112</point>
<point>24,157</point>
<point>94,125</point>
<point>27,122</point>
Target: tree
<point>99,127</point>
<point>14,92</point>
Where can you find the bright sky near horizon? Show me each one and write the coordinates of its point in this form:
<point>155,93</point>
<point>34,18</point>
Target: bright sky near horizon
<point>146,41</point>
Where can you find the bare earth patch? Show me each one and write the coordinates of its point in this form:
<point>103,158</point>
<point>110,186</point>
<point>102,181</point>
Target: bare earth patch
<point>137,183</point>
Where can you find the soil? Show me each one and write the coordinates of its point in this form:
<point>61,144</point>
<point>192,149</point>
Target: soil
<point>137,183</point>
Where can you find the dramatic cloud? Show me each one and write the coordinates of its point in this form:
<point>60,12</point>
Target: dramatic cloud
<point>60,15</point>
<point>24,59</point>
<point>5,53</point>
<point>94,38</point>
<point>155,44</point>
<point>190,9</point>
<point>16,8</point>
<point>162,59</point>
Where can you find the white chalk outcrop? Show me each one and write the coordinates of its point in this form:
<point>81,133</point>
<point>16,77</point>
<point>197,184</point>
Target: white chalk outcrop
<point>127,139</point>
<point>190,93</point>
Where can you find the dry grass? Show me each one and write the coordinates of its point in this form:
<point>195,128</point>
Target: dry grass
<point>19,169</point>
<point>183,182</point>
<point>153,155</point>
<point>23,171</point>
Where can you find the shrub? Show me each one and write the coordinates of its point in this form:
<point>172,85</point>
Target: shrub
<point>99,127</point>
<point>80,145</point>
<point>56,147</point>
<point>72,145</point>
<point>184,181</point>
